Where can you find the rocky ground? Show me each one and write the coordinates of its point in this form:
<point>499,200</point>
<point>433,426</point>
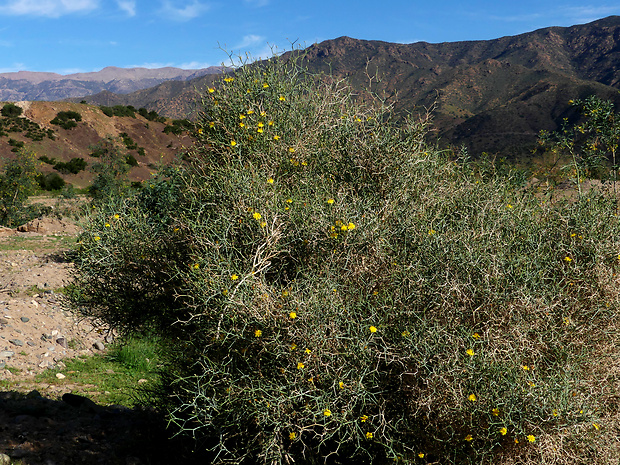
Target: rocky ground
<point>44,423</point>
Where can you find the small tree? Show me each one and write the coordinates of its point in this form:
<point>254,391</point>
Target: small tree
<point>17,182</point>
<point>591,142</point>
<point>110,173</point>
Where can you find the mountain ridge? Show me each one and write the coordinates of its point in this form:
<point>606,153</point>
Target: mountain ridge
<point>35,85</point>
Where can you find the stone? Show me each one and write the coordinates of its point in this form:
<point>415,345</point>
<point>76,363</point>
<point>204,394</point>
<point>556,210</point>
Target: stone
<point>5,459</point>
<point>16,342</point>
<point>60,376</point>
<point>99,345</point>
<point>62,342</point>
<point>6,354</point>
<point>25,319</point>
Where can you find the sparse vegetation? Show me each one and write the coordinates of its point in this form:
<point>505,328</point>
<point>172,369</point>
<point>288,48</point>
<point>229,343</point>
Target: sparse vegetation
<point>119,110</point>
<point>73,166</point>
<point>178,126</point>
<point>10,110</point>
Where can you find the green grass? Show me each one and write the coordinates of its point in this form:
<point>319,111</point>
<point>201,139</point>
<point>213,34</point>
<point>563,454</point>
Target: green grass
<point>38,243</point>
<point>113,377</point>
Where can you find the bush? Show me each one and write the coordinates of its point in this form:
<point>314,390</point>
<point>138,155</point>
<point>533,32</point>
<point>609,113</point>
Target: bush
<point>67,119</point>
<point>119,110</point>
<point>18,180</point>
<point>10,110</point>
<point>332,290</point>
<point>73,166</point>
<point>51,182</point>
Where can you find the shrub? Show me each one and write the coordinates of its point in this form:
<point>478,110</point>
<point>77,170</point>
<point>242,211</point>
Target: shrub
<point>178,126</point>
<point>119,110</point>
<point>73,166</point>
<point>332,290</point>
<point>10,110</point>
<point>51,182</point>
<point>67,119</point>
<point>17,182</point>
<point>131,160</point>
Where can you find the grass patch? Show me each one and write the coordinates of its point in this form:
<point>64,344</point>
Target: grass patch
<point>38,243</point>
<point>114,377</point>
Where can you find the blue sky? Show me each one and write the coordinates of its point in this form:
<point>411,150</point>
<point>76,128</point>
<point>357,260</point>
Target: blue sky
<point>67,36</point>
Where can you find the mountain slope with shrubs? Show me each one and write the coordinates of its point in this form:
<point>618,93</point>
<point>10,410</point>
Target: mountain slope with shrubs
<point>330,289</point>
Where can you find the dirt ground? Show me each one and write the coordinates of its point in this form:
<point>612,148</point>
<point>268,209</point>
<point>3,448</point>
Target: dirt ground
<point>42,423</point>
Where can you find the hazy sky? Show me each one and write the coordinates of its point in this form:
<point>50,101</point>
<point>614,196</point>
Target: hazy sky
<point>67,36</point>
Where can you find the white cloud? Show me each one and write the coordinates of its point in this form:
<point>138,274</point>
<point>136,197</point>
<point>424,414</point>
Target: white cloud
<point>128,6</point>
<point>184,12</point>
<point>49,8</point>
<point>249,40</point>
<point>187,65</point>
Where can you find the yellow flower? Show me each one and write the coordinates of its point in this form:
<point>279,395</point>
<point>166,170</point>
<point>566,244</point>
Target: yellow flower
<point>495,412</point>
<point>531,438</point>
<point>300,366</point>
<point>469,438</point>
<point>369,435</point>
<point>211,90</point>
<point>263,224</point>
<point>259,130</point>
<point>260,125</point>
<point>241,116</point>
<point>405,334</point>
<point>211,124</point>
<point>373,329</point>
<point>292,436</point>
<point>270,123</point>
<point>116,217</point>
<point>293,315</point>
<point>350,226</point>
<point>270,180</point>
<point>265,85</point>
<point>341,385</point>
<point>470,352</point>
<point>241,125</point>
<point>263,113</point>
<point>293,346</point>
<point>97,238</point>
<point>250,112</point>
<point>308,351</point>
<point>195,266</point>
<point>503,431</point>
<point>568,259</point>
<point>291,149</point>
<point>421,455</point>
<point>282,99</point>
<point>330,201</point>
<point>596,427</point>
<point>343,227</point>
<point>257,216</point>
<point>555,412</point>
<point>476,336</point>
<point>107,225</point>
<point>258,333</point>
<point>363,418</point>
<point>472,397</point>
<point>232,143</point>
<point>509,206</point>
<point>525,368</point>
<point>327,412</point>
<point>229,79</point>
<point>276,137</point>
<point>431,232</point>
<point>289,200</point>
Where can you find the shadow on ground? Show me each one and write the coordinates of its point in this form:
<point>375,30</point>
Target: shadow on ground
<point>35,430</point>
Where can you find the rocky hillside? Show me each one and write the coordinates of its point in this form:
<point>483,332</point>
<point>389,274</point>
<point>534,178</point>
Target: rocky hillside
<point>140,137</point>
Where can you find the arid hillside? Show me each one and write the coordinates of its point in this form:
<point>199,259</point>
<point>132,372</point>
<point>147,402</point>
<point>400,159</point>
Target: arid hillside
<point>141,138</point>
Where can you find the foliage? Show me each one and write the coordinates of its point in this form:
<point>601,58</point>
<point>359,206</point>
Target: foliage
<point>591,142</point>
<point>10,110</point>
<point>332,290</point>
<point>67,119</point>
<point>178,126</point>
<point>51,182</point>
<point>151,115</point>
<point>17,181</point>
<point>119,110</point>
<point>110,180</point>
<point>73,166</point>
<point>128,141</point>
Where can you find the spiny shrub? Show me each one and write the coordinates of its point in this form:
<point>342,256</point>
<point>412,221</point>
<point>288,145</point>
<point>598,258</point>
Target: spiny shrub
<point>67,119</point>
<point>332,290</point>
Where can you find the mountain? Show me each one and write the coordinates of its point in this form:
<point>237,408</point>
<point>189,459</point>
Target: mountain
<point>488,95</point>
<point>28,85</point>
